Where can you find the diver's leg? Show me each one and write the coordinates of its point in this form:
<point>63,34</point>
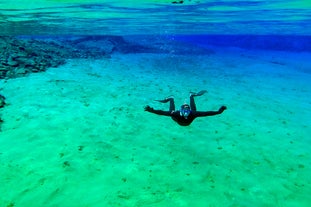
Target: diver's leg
<point>192,95</point>
<point>192,103</point>
<point>172,104</point>
<point>169,99</point>
<point>200,93</point>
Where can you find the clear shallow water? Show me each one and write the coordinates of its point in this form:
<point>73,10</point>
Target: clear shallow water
<point>68,135</point>
<point>155,17</point>
<point>69,138</point>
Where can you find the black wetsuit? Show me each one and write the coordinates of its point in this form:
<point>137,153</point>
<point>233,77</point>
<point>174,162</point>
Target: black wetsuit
<point>181,120</point>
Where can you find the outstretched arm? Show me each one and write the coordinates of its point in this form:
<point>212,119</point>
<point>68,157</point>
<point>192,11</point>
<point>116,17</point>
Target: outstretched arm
<point>159,112</point>
<point>210,113</point>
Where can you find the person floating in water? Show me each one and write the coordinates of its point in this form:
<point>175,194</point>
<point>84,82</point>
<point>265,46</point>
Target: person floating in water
<point>187,113</point>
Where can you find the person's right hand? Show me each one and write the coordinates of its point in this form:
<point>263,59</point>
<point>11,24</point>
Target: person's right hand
<point>148,108</point>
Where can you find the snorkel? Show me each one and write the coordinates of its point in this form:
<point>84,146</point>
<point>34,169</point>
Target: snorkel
<point>185,110</point>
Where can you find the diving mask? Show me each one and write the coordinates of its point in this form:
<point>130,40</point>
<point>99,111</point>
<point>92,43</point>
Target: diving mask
<point>185,110</point>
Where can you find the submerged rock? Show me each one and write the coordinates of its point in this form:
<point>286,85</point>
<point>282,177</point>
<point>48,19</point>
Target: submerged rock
<point>24,55</point>
<point>2,104</point>
<point>1,121</point>
<point>2,101</point>
<point>20,56</point>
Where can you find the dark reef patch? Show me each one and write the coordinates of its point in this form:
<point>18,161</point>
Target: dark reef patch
<point>2,104</point>
<point>21,55</point>
<point>2,101</point>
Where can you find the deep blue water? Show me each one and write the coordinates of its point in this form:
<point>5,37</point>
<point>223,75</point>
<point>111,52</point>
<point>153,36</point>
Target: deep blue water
<point>264,42</point>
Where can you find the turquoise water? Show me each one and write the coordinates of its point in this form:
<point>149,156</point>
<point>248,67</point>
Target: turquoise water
<point>155,17</point>
<point>75,77</point>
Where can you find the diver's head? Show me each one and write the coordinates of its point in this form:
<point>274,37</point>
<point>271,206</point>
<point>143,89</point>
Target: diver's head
<point>185,110</point>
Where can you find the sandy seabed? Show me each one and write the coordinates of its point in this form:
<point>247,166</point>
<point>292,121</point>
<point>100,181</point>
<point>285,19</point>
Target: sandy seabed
<point>77,135</point>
